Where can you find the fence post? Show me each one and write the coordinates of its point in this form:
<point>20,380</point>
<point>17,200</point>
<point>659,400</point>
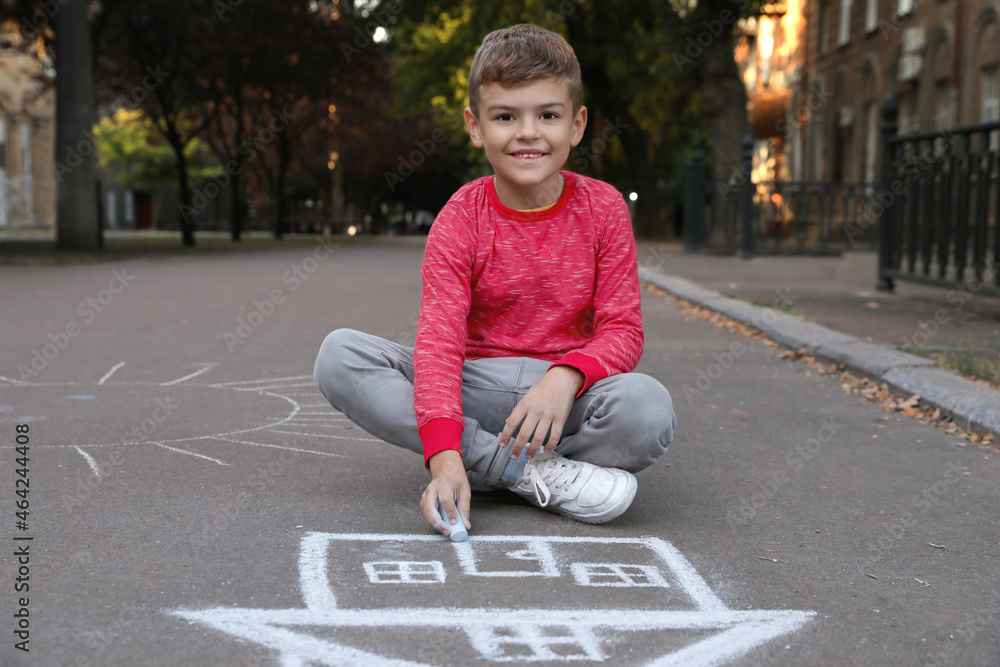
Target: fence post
<point>748,190</point>
<point>887,217</point>
<point>694,202</point>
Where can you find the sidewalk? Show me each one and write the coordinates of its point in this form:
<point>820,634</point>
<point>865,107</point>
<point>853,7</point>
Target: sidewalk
<point>830,306</point>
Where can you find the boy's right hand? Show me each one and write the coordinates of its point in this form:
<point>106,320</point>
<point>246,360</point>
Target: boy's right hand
<point>448,482</point>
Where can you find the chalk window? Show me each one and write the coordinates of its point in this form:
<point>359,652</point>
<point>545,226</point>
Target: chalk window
<point>617,574</point>
<point>405,572</point>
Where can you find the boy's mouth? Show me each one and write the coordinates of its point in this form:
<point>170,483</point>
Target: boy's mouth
<point>528,155</point>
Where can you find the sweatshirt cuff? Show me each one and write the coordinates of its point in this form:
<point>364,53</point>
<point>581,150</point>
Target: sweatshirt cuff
<point>439,434</point>
<point>591,369</point>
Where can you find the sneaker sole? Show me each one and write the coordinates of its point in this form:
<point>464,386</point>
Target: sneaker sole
<point>613,513</point>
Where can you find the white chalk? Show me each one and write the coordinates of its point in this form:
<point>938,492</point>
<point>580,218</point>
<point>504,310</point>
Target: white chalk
<point>457,531</point>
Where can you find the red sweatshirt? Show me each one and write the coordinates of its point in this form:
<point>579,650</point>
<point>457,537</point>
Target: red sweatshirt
<point>561,284</point>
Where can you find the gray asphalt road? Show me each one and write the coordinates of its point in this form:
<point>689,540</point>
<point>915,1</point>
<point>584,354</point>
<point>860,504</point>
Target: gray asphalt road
<point>193,502</point>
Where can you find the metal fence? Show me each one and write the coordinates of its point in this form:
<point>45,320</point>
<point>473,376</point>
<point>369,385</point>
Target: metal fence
<point>773,217</point>
<point>937,205</point>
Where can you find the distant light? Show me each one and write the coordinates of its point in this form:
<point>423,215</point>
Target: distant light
<point>352,230</point>
<point>632,196</point>
<point>380,34</point>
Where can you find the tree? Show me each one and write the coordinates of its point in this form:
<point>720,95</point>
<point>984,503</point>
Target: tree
<point>130,143</point>
<point>273,62</point>
<point>152,51</point>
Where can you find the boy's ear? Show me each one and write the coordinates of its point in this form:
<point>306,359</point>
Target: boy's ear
<point>472,123</point>
<point>579,125</point>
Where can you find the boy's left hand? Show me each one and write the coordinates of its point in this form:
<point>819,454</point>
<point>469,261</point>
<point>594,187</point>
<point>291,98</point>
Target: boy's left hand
<point>543,410</point>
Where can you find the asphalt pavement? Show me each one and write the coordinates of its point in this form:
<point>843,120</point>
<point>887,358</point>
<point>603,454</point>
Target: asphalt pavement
<point>194,502</point>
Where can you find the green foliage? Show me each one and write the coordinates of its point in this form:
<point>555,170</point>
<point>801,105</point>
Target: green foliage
<point>129,142</point>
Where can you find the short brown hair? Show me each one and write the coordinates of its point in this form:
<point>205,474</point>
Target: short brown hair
<point>524,52</point>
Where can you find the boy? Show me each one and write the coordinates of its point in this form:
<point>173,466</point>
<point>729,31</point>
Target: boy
<point>530,317</point>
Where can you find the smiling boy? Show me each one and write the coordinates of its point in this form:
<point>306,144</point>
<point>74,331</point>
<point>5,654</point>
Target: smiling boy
<point>530,323</point>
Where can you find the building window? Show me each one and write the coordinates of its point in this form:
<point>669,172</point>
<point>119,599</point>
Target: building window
<point>904,7</point>
<point>942,112</point>
<point>111,216</point>
<point>844,28</point>
<point>4,186</point>
<point>990,109</point>
<point>27,182</point>
<point>824,27</point>
<point>871,16</point>
<point>129,208</point>
<point>908,120</point>
<point>871,140</point>
<point>816,139</point>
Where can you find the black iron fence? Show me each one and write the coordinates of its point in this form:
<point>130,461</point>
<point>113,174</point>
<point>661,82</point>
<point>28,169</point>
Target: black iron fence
<point>937,205</point>
<point>773,217</point>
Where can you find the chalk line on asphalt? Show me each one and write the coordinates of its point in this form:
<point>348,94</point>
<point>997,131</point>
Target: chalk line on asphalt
<point>547,632</point>
<point>111,372</point>
<point>90,461</point>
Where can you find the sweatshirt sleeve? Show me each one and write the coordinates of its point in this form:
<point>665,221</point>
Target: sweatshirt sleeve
<point>617,343</point>
<point>439,350</point>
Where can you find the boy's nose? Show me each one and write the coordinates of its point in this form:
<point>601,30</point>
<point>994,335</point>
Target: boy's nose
<point>527,129</point>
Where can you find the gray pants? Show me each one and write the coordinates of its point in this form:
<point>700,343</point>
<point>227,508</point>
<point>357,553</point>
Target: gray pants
<point>623,421</point>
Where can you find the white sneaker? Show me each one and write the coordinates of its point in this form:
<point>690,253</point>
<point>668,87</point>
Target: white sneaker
<point>582,491</point>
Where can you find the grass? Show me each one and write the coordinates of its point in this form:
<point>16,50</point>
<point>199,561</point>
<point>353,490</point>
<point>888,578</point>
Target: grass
<point>779,305</point>
<point>965,359</point>
<point>775,305</point>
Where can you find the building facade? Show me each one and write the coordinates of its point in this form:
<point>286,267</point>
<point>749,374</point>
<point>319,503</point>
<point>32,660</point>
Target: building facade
<point>27,135</point>
<point>939,58</point>
<point>818,71</point>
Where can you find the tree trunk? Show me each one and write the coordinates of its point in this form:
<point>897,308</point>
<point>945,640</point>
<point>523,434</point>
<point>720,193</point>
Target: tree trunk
<point>724,99</point>
<point>279,209</point>
<point>634,140</point>
<point>78,225</point>
<point>186,218</point>
<point>236,220</point>
<point>236,205</point>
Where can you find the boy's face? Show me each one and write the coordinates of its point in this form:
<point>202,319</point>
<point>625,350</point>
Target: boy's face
<point>527,131</point>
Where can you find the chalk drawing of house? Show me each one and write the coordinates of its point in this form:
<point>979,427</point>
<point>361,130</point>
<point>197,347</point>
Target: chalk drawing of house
<point>506,591</point>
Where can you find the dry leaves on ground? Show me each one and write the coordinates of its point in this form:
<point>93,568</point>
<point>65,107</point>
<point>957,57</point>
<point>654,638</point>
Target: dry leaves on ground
<point>880,393</point>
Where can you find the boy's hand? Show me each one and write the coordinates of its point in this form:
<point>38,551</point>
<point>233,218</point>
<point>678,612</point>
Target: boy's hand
<point>448,482</point>
<point>543,410</point>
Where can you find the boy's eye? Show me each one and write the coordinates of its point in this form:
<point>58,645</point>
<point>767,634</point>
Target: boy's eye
<point>505,117</point>
<point>549,115</point>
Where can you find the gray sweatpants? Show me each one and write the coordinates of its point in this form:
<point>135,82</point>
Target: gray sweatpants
<point>623,421</point>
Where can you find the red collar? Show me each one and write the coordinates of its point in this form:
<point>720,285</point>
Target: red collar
<point>532,216</point>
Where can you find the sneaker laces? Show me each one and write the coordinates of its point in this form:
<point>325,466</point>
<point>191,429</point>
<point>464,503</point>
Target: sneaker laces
<point>553,471</point>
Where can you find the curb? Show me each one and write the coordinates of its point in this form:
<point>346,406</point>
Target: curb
<point>972,406</point>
